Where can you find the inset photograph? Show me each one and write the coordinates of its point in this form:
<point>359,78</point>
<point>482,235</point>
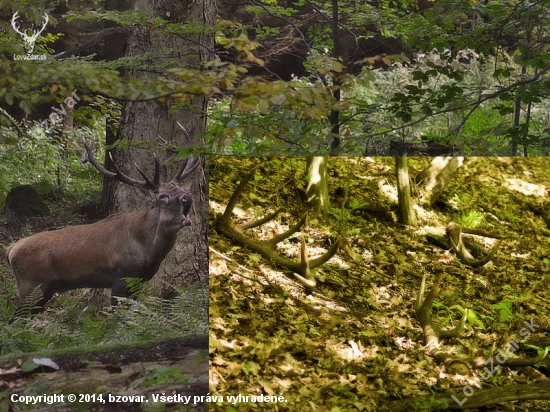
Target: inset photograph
<point>379,283</point>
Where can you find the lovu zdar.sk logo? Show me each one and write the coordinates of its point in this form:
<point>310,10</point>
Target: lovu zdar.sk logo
<point>29,38</point>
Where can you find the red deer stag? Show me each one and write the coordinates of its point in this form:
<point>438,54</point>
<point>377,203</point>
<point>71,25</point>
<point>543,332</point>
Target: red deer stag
<point>102,254</point>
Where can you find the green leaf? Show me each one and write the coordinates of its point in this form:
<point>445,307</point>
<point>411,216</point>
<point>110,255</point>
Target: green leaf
<point>35,363</point>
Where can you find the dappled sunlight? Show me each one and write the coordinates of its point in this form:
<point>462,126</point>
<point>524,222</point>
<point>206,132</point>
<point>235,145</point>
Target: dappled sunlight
<point>530,189</point>
<point>356,335</point>
<point>404,343</point>
<point>428,216</point>
<point>521,255</point>
<point>388,191</point>
<point>292,250</point>
<point>471,380</point>
<point>367,254</point>
<point>385,296</point>
<point>352,351</point>
<point>218,266</point>
<point>485,241</point>
<point>317,303</point>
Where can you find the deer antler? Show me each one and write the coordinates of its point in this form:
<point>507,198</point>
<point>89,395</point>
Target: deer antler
<point>148,184</point>
<point>46,20</point>
<point>454,232</point>
<point>422,309</point>
<point>29,40</point>
<point>15,26</point>
<point>190,164</point>
<point>301,270</point>
<point>432,334</point>
<point>187,168</point>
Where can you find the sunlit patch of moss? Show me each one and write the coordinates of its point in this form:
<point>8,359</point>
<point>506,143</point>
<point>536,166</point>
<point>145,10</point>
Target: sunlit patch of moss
<point>470,218</point>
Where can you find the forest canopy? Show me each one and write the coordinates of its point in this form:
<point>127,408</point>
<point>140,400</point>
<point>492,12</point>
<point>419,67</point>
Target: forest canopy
<point>298,78</point>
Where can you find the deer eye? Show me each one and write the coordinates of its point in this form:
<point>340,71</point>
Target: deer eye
<point>163,196</point>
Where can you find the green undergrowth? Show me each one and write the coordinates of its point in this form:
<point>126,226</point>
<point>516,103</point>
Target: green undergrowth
<point>70,325</point>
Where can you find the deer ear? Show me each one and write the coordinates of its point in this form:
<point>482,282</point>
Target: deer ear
<point>187,186</point>
<point>143,194</point>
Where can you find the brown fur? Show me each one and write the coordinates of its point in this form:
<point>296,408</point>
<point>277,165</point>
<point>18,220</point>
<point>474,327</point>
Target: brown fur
<point>102,254</point>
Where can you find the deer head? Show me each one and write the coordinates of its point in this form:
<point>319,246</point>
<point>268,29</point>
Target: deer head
<point>29,40</point>
<point>167,196</point>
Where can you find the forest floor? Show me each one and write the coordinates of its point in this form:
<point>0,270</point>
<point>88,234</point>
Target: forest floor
<point>354,343</point>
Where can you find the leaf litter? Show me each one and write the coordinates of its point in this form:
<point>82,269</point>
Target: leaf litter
<point>354,343</point>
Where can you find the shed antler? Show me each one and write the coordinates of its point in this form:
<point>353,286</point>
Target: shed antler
<point>433,334</point>
<point>422,309</point>
<point>301,269</point>
<point>455,231</point>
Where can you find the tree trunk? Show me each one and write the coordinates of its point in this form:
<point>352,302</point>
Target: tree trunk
<point>406,210</point>
<point>334,115</point>
<point>108,184</point>
<point>436,177</point>
<point>142,123</point>
<point>317,183</point>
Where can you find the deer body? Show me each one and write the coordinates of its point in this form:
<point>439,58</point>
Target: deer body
<point>102,254</point>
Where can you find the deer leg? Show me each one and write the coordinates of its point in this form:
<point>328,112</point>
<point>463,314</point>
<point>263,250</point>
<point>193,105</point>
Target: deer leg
<point>118,290</point>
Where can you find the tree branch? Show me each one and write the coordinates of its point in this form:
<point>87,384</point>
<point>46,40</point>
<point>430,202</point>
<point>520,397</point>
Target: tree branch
<point>92,42</point>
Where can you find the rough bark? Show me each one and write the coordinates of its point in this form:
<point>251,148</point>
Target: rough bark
<point>436,177</point>
<point>142,123</point>
<point>317,183</point>
<point>407,214</point>
<point>108,184</point>
<point>334,115</point>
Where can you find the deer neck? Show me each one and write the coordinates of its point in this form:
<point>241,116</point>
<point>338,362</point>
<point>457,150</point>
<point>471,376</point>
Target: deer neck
<point>151,233</point>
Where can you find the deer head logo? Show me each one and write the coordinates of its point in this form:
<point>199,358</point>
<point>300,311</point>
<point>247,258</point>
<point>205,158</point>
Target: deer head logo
<point>29,40</point>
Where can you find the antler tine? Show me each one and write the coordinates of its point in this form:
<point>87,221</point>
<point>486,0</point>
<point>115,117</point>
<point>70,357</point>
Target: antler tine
<point>155,183</point>
<point>47,19</point>
<point>14,24</point>
<point>454,231</point>
<point>423,307</point>
<point>156,179</point>
<point>119,176</point>
<point>88,156</point>
<point>318,261</point>
<point>178,175</point>
<point>279,238</point>
<point>433,334</point>
<point>185,132</point>
<point>300,269</point>
<point>307,279</point>
<point>186,170</point>
<point>226,218</point>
